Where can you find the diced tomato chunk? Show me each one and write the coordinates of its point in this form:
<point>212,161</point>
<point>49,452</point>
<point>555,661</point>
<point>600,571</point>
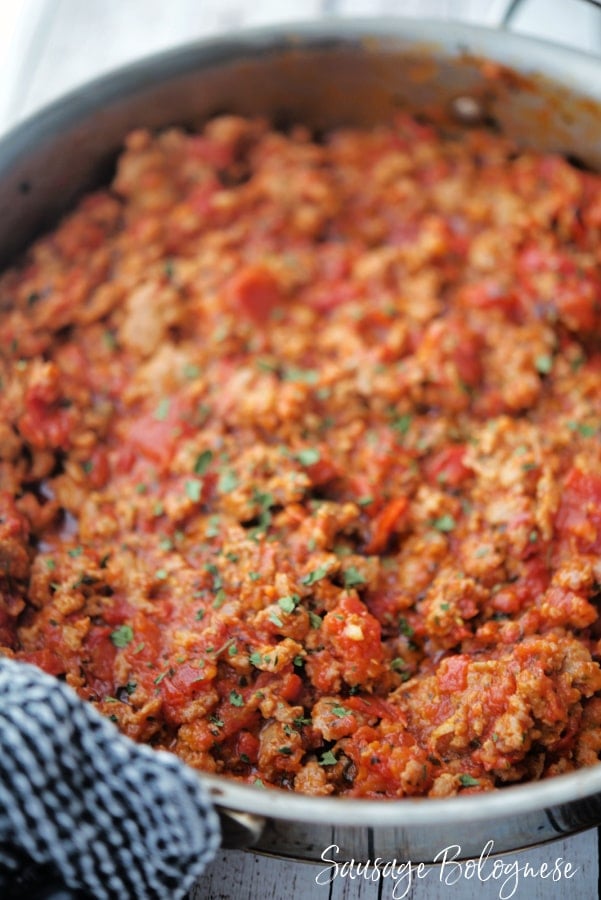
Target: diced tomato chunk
<point>447,466</point>
<point>579,514</point>
<point>452,673</point>
<point>385,523</point>
<point>254,292</point>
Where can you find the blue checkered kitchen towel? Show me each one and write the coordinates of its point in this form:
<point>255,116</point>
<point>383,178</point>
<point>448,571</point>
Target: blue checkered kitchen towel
<point>81,803</point>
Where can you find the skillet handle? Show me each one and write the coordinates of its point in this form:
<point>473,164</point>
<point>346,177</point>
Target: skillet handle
<point>514,5</point>
<point>239,829</point>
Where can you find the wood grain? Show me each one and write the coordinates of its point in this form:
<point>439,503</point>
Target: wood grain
<point>238,874</point>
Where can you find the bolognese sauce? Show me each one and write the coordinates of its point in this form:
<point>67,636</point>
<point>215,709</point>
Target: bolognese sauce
<point>300,456</point>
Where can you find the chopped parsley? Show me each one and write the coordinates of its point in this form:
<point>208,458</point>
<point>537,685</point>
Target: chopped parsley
<point>468,781</point>
<point>202,462</point>
<point>309,456</point>
<point>273,617</point>
<point>402,423</point>
<point>315,575</point>
<point>543,364</point>
<point>227,482</point>
<point>353,577</point>
<point>315,620</point>
<point>193,490</point>
<point>236,699</point>
<point>444,523</point>
<point>306,376</point>
<point>289,603</point>
<point>327,759</point>
<point>162,410</point>
<point>122,636</point>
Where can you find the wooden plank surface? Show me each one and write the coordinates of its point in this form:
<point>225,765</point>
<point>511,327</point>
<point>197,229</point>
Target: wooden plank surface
<point>54,45</point>
<point>571,865</point>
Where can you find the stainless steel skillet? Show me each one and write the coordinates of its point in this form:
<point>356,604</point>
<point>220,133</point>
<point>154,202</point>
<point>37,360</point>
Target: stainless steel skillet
<point>326,74</point>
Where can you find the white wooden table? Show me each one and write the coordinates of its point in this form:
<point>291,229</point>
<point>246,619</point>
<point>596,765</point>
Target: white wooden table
<point>49,46</point>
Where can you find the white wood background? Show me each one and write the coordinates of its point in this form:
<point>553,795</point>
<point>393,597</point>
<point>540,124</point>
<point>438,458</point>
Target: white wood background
<point>49,46</point>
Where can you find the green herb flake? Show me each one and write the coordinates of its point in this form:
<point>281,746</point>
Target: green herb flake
<point>468,781</point>
<point>309,456</point>
<point>582,428</point>
<point>236,699</point>
<point>405,628</point>
<point>193,490</point>
<point>109,340</point>
<point>170,672</point>
<point>340,711</point>
<point>203,461</point>
<point>161,574</point>
<point>315,620</point>
<point>227,482</point>
<point>289,603</point>
<point>444,523</point>
<point>398,664</point>
<point>232,650</point>
<point>191,371</point>
<point>365,501</point>
<point>255,658</point>
<point>301,720</point>
<point>543,364</point>
<point>353,577</point>
<point>51,565</point>
<point>220,598</point>
<point>306,376</point>
<point>275,619</point>
<point>213,526</point>
<point>266,365</point>
<point>122,636</point>
<point>162,410</point>
<point>166,544</point>
<point>402,424</point>
<point>212,569</point>
<point>139,648</point>
<point>200,614</point>
<point>327,759</point>
<point>285,751</point>
<point>254,576</point>
<point>258,783</point>
<point>315,575</point>
<point>298,661</point>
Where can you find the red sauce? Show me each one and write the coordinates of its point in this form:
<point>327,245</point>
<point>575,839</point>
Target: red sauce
<point>300,453</point>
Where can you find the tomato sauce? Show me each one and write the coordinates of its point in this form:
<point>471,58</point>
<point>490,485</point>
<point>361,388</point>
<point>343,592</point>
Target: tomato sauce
<point>300,444</point>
